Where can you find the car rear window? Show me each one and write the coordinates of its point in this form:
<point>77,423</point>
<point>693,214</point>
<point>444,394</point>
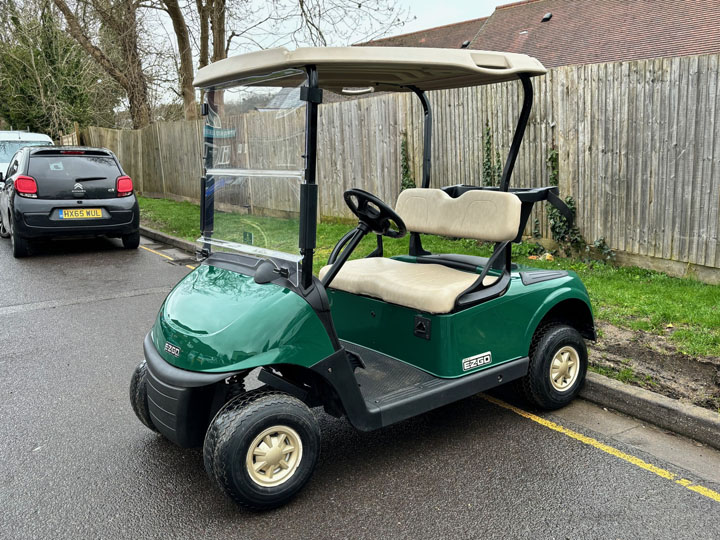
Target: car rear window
<point>73,167</point>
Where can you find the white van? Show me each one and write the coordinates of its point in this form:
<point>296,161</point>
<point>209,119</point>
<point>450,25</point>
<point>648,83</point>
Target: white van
<point>12,141</point>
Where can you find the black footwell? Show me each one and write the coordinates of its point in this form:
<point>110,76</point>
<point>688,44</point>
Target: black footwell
<point>383,374</point>
<point>398,390</point>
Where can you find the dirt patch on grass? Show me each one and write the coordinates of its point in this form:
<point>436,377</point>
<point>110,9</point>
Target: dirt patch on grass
<point>653,362</point>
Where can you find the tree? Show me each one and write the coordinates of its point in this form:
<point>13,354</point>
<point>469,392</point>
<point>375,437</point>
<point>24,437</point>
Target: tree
<point>110,32</point>
<point>47,81</point>
<point>265,24</point>
<point>327,22</point>
<point>118,18</point>
<point>186,58</point>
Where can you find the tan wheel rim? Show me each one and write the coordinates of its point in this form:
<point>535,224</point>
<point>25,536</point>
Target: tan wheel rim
<point>274,456</point>
<point>564,369</point>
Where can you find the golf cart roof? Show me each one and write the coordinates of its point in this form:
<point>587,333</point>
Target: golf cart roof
<point>380,68</point>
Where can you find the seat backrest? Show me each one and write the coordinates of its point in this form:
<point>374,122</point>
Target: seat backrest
<point>482,215</point>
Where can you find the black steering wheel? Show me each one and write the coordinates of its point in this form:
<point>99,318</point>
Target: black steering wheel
<point>374,213</point>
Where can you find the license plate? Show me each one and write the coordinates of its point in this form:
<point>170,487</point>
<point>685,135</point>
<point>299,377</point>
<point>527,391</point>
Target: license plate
<point>80,213</point>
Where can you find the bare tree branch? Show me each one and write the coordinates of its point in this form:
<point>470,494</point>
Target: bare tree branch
<point>186,63</point>
<point>77,32</point>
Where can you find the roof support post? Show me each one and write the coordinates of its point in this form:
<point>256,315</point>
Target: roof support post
<point>207,183</point>
<point>308,191</point>
<point>416,248</point>
<point>427,135</point>
<point>519,132</point>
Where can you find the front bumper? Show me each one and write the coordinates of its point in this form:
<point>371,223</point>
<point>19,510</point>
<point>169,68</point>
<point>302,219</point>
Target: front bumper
<point>38,218</point>
<point>182,403</point>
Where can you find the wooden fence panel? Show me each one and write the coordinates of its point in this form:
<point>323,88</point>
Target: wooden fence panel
<point>638,149</point>
<point>179,150</point>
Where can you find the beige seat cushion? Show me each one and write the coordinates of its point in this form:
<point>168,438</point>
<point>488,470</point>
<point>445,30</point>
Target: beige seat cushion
<point>483,215</point>
<point>426,287</point>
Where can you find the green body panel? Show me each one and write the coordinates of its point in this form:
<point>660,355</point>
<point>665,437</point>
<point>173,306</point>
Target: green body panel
<point>503,326</point>
<point>223,321</point>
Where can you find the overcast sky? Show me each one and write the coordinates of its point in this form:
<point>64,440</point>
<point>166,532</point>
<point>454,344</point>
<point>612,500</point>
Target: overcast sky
<point>432,13</point>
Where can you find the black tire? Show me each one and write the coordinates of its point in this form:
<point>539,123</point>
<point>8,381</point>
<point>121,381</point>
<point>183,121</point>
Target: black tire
<point>232,435</point>
<point>4,231</point>
<point>233,393</point>
<point>20,246</point>
<point>538,386</point>
<point>138,396</point>
<point>131,241</point>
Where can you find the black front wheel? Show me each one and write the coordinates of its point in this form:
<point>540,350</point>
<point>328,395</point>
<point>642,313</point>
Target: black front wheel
<point>558,364</point>
<point>138,395</point>
<point>261,448</point>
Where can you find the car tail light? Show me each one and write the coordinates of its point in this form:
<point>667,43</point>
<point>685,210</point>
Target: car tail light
<point>25,186</point>
<point>124,186</point>
<point>73,152</point>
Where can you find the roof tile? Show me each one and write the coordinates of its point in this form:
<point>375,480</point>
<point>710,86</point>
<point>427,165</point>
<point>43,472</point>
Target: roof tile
<point>450,36</point>
<point>582,31</point>
<point>594,31</point>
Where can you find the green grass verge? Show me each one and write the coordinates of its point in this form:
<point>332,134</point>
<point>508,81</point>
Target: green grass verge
<point>625,375</point>
<point>628,297</point>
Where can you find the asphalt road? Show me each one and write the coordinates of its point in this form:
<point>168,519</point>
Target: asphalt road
<point>75,463</point>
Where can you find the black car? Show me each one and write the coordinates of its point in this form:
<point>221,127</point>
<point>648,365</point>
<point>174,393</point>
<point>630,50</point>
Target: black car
<point>63,191</point>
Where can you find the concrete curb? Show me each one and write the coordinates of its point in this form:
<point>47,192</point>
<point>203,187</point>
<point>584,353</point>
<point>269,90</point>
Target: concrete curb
<point>695,422</point>
<point>190,247</point>
<point>692,421</point>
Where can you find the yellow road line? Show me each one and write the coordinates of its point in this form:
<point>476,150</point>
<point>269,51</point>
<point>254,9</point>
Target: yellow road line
<point>191,267</point>
<point>709,493</point>
<point>157,253</point>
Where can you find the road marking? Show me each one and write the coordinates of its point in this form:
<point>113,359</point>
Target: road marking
<point>190,266</point>
<point>49,304</point>
<point>157,253</point>
<point>709,493</point>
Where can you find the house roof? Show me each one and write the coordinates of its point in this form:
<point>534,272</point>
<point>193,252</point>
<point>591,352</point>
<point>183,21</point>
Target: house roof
<point>594,31</point>
<point>583,31</point>
<point>286,98</point>
<point>449,36</point>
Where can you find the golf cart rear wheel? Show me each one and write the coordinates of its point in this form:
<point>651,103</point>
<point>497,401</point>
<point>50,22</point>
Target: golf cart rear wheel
<point>558,363</point>
<point>261,448</point>
<point>138,395</point>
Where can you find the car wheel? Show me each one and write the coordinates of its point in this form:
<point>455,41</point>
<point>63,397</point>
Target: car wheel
<point>558,364</point>
<point>131,241</point>
<point>138,395</point>
<point>261,448</point>
<point>20,246</point>
<point>4,232</point>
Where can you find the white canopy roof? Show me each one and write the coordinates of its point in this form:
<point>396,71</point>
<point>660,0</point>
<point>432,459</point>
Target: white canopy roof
<point>383,68</point>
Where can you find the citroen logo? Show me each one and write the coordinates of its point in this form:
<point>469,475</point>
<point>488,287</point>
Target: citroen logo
<point>78,190</point>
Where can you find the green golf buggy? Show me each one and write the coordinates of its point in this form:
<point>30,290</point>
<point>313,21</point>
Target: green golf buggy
<point>253,339</point>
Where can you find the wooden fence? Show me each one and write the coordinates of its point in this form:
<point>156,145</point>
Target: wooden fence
<point>638,147</point>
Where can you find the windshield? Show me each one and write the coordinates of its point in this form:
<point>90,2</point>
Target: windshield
<point>8,148</point>
<point>254,141</point>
